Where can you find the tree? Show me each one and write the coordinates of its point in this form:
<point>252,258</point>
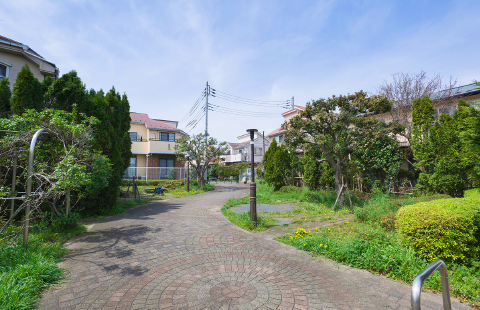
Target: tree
<point>64,158</point>
<point>404,88</point>
<point>281,168</point>
<point>268,161</point>
<point>27,92</point>
<point>423,118</point>
<point>204,151</point>
<point>335,126</point>
<point>5,95</point>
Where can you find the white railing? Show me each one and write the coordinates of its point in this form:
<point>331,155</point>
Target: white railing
<point>155,173</point>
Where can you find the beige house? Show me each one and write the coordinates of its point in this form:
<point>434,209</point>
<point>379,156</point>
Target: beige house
<point>14,55</point>
<point>153,148</point>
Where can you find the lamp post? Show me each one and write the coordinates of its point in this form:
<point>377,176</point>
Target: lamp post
<point>187,155</point>
<point>253,186</point>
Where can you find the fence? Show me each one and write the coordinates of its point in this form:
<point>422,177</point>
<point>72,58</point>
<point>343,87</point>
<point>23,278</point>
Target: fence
<point>155,173</point>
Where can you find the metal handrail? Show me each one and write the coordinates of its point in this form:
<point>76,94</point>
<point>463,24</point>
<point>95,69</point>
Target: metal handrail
<point>418,281</point>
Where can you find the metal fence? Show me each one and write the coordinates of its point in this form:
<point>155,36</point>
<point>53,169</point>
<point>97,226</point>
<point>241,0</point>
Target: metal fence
<point>155,173</point>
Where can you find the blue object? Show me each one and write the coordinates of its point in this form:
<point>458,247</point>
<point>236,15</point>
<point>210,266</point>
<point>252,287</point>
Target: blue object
<point>159,190</point>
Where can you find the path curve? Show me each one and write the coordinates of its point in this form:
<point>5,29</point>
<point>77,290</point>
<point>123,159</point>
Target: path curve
<point>183,254</point>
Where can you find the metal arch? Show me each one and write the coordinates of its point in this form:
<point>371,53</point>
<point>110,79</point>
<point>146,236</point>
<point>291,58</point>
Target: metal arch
<point>418,281</point>
<point>31,154</point>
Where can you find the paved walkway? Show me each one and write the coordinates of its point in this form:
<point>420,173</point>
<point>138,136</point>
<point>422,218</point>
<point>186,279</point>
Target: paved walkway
<point>183,254</point>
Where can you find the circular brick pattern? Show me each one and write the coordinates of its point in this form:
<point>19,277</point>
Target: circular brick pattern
<point>233,293</point>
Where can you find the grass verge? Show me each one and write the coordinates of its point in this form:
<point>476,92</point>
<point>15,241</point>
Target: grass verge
<point>25,273</point>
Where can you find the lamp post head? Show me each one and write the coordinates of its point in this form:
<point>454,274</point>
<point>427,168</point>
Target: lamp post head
<point>252,133</point>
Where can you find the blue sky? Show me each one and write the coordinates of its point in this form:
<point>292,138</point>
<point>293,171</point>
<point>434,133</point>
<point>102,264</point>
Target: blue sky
<point>161,53</point>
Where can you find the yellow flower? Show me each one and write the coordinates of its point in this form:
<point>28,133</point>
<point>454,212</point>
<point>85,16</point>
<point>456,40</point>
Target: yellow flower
<point>320,244</point>
<point>325,246</point>
<point>347,222</point>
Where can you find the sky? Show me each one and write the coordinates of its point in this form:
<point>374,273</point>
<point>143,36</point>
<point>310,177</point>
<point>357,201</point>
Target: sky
<point>162,53</point>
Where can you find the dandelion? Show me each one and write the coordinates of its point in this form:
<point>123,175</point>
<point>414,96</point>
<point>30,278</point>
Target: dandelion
<point>325,246</point>
<point>347,222</point>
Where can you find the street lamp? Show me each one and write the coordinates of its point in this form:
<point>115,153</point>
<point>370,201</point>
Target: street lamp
<point>253,186</point>
<point>187,155</point>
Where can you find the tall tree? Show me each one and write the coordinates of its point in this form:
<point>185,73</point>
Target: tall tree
<point>423,118</point>
<point>204,151</point>
<point>66,91</point>
<point>335,126</point>
<point>5,95</point>
<point>268,161</point>
<point>27,92</point>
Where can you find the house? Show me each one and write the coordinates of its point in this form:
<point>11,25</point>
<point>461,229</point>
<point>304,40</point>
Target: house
<point>278,133</point>
<point>241,150</point>
<point>153,148</point>
<point>14,55</point>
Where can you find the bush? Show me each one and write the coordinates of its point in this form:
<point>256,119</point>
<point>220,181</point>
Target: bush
<point>444,228</point>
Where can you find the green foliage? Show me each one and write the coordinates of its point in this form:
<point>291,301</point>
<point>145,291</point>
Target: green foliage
<point>27,92</point>
<point>268,161</point>
<point>203,149</point>
<point>243,219</point>
<point>5,95</point>
<point>379,155</point>
<point>444,228</point>
<point>281,168</point>
<point>225,172</point>
<point>336,125</point>
<point>317,174</point>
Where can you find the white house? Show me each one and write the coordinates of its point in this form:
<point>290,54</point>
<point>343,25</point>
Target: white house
<point>241,150</point>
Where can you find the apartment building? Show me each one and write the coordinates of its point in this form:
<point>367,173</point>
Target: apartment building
<point>278,133</point>
<point>153,148</point>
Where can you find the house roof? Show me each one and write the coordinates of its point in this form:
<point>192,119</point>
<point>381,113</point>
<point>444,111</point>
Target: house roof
<point>152,123</point>
<point>234,145</point>
<point>16,43</point>
<point>295,108</point>
<point>278,130</point>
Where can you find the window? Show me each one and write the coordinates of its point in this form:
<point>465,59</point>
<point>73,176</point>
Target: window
<point>3,71</point>
<point>133,136</point>
<point>4,68</point>
<point>165,136</point>
<point>279,138</point>
<point>166,165</point>
<point>258,151</point>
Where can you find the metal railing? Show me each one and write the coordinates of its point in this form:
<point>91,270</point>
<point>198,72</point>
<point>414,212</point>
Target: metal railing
<point>155,173</point>
<point>418,281</point>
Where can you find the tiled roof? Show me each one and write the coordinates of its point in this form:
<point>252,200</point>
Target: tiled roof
<point>9,40</point>
<point>278,130</point>
<point>150,123</point>
<point>295,108</point>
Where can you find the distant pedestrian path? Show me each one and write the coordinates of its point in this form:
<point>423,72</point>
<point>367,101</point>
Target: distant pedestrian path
<point>183,254</point>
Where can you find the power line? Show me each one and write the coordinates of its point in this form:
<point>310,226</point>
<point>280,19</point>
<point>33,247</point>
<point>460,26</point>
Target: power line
<point>251,100</point>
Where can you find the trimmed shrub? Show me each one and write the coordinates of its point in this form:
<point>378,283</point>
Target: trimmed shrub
<point>444,228</point>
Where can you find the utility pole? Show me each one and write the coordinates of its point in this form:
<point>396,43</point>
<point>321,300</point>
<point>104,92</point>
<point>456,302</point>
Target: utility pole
<point>207,92</point>
<point>293,102</point>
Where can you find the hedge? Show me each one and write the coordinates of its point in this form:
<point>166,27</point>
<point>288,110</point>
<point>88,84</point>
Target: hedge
<point>171,184</point>
<point>443,228</point>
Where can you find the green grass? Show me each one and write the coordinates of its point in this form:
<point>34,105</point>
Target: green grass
<point>369,246</point>
<point>243,220</point>
<point>25,273</point>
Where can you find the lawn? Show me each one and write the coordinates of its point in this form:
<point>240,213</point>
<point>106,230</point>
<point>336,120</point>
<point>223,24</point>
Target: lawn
<point>364,237</point>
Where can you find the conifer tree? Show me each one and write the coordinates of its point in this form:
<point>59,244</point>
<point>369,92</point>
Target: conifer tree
<point>423,118</point>
<point>27,92</point>
<point>268,161</point>
<point>5,95</point>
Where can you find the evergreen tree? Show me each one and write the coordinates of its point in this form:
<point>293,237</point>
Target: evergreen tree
<point>423,118</point>
<point>27,92</point>
<point>448,175</point>
<point>5,95</point>
<point>268,161</point>
<point>311,175</point>
<point>282,168</point>
<point>66,91</point>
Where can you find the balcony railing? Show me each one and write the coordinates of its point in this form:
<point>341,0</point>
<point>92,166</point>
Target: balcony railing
<point>155,173</point>
<point>159,139</point>
<point>139,139</point>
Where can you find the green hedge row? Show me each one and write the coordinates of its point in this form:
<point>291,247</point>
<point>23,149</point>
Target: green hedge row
<point>171,184</point>
<point>443,228</point>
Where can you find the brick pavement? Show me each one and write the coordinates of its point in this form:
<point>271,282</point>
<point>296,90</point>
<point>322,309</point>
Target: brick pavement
<point>183,254</point>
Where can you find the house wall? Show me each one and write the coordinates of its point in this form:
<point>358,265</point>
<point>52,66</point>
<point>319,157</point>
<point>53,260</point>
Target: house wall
<point>140,129</point>
<point>161,146</point>
<point>17,61</point>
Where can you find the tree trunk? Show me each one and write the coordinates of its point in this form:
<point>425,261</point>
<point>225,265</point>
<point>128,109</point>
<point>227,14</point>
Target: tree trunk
<point>338,184</point>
